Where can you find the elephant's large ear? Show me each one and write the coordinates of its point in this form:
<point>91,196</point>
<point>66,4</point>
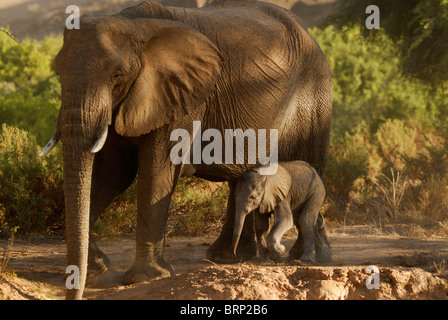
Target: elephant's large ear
<point>180,68</point>
<point>276,189</point>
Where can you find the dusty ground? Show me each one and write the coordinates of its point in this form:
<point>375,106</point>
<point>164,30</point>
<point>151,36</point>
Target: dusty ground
<point>410,268</point>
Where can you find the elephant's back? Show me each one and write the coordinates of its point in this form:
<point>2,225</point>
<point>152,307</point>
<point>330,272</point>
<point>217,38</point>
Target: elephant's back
<point>216,20</point>
<point>275,76</point>
<point>247,26</point>
<point>256,35</point>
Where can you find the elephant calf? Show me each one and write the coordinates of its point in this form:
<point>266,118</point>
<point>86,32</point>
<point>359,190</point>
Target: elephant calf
<point>294,193</point>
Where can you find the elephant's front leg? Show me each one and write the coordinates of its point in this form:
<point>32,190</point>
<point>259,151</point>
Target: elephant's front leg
<point>114,170</point>
<point>156,181</point>
<point>283,221</point>
<point>262,226</point>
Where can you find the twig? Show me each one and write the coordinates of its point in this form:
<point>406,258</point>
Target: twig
<point>210,262</point>
<point>8,33</point>
<point>7,255</point>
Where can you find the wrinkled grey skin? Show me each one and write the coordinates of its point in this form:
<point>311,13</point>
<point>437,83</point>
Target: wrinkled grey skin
<point>129,80</point>
<point>294,194</point>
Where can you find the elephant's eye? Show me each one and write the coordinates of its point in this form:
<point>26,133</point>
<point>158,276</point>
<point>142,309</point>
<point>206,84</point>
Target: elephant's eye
<point>252,198</point>
<point>117,74</point>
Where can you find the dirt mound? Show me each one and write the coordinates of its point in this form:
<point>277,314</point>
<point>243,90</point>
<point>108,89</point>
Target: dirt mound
<point>410,268</point>
<point>14,288</point>
<point>255,282</point>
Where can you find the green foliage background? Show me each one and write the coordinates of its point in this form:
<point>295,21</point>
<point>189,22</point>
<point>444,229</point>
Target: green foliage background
<point>387,118</point>
<point>369,84</point>
<point>29,87</point>
<point>417,28</point>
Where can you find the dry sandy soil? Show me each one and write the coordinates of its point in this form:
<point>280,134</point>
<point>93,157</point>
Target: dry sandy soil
<point>410,268</point>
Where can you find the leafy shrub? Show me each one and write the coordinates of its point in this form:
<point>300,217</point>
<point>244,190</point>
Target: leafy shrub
<point>381,117</point>
<point>120,216</point>
<point>417,27</point>
<point>396,141</point>
<point>369,85</point>
<point>428,196</point>
<point>388,176</point>
<point>6,255</point>
<point>197,207</point>
<point>29,86</point>
<point>31,193</point>
<point>347,162</point>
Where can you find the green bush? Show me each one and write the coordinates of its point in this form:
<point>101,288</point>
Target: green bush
<point>369,85</point>
<point>380,119</point>
<point>197,207</point>
<point>428,196</point>
<point>417,27</point>
<point>395,141</point>
<point>29,87</point>
<point>120,216</point>
<point>347,162</point>
<point>31,193</point>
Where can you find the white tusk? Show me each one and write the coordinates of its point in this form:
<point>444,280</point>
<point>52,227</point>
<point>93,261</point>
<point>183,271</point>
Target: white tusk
<point>50,145</point>
<point>101,140</point>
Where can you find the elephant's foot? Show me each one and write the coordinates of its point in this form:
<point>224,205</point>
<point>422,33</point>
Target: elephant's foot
<point>300,252</point>
<point>297,251</point>
<point>98,264</point>
<point>276,251</point>
<point>323,253</point>
<point>307,258</point>
<point>148,272</point>
<point>322,245</point>
<point>220,251</point>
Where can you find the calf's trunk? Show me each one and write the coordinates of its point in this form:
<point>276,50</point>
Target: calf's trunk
<point>238,228</point>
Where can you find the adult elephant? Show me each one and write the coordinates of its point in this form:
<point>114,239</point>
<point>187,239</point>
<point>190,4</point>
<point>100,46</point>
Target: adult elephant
<point>130,79</point>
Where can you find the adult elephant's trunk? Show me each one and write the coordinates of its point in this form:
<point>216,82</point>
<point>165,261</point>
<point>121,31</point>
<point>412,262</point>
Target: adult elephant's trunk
<point>82,133</point>
<point>240,216</point>
<point>78,163</point>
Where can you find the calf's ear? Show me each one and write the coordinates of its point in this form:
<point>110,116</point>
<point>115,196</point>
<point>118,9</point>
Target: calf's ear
<point>276,189</point>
